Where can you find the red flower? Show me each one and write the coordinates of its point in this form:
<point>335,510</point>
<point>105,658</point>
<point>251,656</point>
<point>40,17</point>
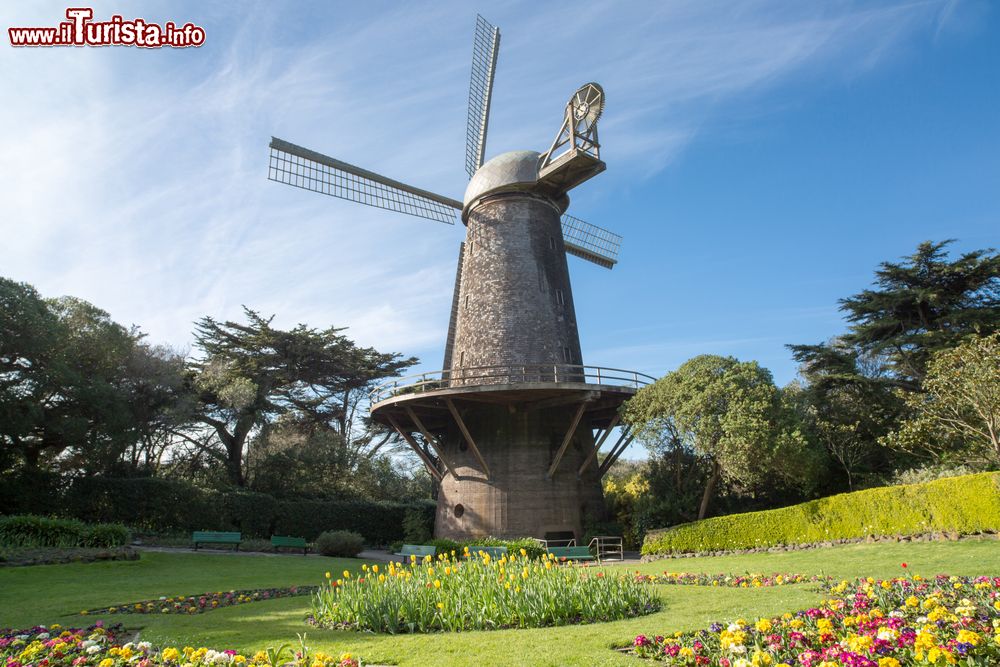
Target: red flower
<point>904,564</point>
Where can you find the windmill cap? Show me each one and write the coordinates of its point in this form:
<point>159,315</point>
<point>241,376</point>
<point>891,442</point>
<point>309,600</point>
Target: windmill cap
<point>516,170</point>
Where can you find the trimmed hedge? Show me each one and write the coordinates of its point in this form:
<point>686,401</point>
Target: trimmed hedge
<point>964,505</point>
<point>165,506</point>
<point>145,503</point>
<point>27,530</point>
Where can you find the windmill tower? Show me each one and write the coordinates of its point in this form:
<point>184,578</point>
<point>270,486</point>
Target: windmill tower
<point>512,424</point>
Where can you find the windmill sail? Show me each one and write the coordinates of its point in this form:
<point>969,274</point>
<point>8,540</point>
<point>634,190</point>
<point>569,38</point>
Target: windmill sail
<point>303,168</point>
<point>485,49</point>
<point>590,242</point>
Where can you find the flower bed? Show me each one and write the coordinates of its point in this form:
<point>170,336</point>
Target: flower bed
<point>99,646</point>
<point>869,623</point>
<point>479,593</point>
<point>730,580</point>
<point>196,604</point>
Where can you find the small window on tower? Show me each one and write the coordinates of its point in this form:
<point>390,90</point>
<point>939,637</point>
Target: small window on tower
<point>466,300</point>
<point>552,243</point>
<point>560,298</point>
<point>567,355</point>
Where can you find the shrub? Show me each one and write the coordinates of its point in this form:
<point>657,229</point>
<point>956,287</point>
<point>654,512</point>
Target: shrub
<point>530,546</point>
<point>929,473</point>
<point>963,505</point>
<point>445,546</point>
<point>105,535</point>
<point>342,543</point>
<point>418,526</point>
<point>480,594</point>
<point>37,531</point>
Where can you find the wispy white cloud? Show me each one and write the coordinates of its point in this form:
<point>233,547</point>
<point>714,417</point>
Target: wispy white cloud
<point>136,179</point>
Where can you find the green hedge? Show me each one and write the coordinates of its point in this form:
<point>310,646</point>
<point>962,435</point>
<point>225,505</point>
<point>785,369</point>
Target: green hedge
<point>964,505</point>
<point>378,522</point>
<point>27,530</point>
<point>145,503</point>
<point>165,506</point>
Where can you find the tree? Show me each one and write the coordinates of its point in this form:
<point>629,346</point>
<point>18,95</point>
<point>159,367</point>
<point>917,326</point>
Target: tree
<point>247,375</point>
<point>295,457</point>
<point>726,411</point>
<point>856,384</point>
<point>67,374</point>
<point>846,403</point>
<point>924,304</point>
<point>73,392</point>
<point>959,412</point>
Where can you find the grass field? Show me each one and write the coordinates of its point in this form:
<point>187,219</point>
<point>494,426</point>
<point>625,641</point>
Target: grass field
<point>56,594</point>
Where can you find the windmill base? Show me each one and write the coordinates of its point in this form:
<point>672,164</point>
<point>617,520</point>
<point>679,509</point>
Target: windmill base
<point>519,444</point>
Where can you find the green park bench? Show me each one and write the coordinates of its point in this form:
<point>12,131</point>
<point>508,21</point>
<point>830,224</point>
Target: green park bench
<point>571,553</point>
<point>211,537</point>
<point>279,541</point>
<point>494,552</point>
<point>418,550</point>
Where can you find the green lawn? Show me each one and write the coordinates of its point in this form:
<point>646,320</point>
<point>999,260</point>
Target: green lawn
<point>56,593</point>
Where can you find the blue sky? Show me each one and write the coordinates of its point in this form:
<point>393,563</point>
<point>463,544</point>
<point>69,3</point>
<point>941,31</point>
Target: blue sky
<point>763,158</point>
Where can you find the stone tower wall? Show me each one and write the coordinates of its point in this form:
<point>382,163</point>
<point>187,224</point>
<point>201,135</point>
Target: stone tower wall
<point>515,304</point>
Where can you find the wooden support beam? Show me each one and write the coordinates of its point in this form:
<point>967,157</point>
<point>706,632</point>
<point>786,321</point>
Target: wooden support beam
<point>623,442</point>
<point>467,435</point>
<point>597,445</point>
<point>565,442</point>
<point>430,440</point>
<point>415,447</point>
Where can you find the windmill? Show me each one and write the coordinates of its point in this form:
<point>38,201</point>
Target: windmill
<point>512,425</point>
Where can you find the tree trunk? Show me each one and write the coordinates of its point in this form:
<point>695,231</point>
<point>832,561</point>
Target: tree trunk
<point>706,498</point>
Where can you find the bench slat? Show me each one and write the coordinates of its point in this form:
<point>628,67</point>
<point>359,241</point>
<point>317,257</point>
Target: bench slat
<point>418,550</point>
<point>572,553</point>
<point>278,541</point>
<point>216,537</point>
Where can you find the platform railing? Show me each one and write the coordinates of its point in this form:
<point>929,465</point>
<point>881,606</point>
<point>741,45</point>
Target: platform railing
<point>607,547</point>
<point>509,374</point>
<point>569,542</point>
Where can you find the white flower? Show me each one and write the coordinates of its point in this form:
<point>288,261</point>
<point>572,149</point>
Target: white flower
<point>91,650</point>
<point>42,635</point>
<point>738,648</point>
<point>144,646</point>
<point>733,627</point>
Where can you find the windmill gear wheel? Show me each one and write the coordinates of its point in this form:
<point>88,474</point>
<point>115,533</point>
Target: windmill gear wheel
<point>587,104</point>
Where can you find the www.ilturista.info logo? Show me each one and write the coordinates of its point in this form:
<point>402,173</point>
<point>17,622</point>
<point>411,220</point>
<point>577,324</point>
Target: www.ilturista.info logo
<point>80,30</point>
